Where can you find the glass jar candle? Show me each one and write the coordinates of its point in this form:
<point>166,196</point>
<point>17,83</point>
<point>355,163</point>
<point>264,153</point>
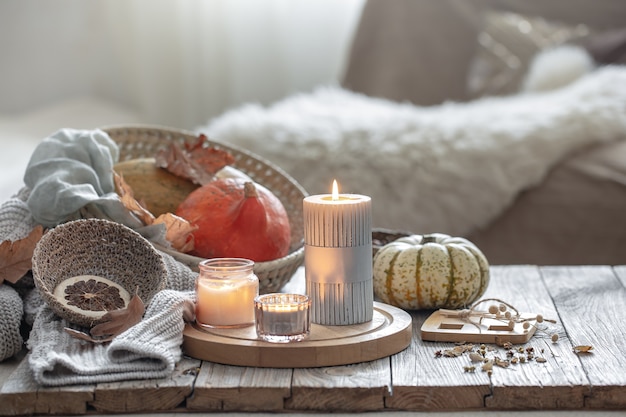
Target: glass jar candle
<point>226,289</point>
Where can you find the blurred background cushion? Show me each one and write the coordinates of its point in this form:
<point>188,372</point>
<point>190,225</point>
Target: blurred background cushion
<point>426,52</point>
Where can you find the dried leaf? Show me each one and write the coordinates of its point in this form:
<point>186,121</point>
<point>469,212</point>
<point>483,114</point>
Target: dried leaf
<point>178,231</point>
<point>84,336</point>
<point>128,200</point>
<point>453,353</point>
<point>583,349</point>
<point>16,257</point>
<point>196,162</point>
<point>502,363</point>
<point>116,322</point>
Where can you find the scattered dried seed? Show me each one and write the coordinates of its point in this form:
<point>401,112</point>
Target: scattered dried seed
<point>541,360</point>
<point>502,363</point>
<point>555,338</point>
<point>583,349</point>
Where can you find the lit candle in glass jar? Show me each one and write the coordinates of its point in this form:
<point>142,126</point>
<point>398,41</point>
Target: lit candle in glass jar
<point>282,317</point>
<point>338,257</point>
<point>225,289</point>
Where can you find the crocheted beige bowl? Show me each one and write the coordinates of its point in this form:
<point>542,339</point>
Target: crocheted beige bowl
<point>111,261</point>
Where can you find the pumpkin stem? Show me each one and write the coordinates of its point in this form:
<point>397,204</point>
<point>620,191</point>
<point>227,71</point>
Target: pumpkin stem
<point>249,190</point>
<point>428,239</point>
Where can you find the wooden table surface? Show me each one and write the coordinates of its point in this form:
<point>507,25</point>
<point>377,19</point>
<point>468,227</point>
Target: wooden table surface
<point>589,304</point>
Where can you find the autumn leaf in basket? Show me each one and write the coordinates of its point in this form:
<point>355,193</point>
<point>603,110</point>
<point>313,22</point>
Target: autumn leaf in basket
<point>16,257</point>
<point>178,230</point>
<point>194,162</point>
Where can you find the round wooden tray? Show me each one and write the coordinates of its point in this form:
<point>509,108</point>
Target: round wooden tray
<point>389,332</point>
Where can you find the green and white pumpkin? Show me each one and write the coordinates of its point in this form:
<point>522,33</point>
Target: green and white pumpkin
<point>429,272</point>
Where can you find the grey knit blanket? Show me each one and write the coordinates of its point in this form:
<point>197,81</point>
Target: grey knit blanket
<point>150,349</point>
<point>147,350</point>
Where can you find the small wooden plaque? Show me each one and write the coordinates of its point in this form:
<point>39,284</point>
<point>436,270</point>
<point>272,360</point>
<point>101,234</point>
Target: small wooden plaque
<point>389,332</point>
<point>441,327</point>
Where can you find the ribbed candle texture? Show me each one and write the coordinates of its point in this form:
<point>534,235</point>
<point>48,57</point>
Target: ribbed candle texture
<point>338,258</point>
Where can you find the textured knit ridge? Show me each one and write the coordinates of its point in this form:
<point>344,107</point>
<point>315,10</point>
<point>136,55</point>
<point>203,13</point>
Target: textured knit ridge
<point>16,222</point>
<point>163,318</point>
<point>179,276</point>
<point>11,311</point>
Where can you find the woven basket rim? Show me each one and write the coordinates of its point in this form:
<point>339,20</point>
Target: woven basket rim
<point>190,133</point>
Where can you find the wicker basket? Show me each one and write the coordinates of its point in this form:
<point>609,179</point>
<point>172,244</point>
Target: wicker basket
<point>96,247</point>
<point>381,237</point>
<point>144,141</point>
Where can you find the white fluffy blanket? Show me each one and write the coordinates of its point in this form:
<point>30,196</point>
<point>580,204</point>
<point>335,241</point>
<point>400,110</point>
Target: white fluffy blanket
<point>449,168</point>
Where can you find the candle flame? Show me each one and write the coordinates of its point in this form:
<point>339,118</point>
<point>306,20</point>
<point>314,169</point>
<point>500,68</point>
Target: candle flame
<point>335,191</point>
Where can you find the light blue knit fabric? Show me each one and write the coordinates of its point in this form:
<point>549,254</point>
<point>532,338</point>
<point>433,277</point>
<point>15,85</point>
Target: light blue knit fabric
<point>70,171</point>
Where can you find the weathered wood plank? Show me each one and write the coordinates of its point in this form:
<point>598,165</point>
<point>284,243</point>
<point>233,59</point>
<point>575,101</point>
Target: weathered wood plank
<point>21,395</point>
<point>590,301</point>
<point>358,387</point>
<point>422,382</point>
<point>8,366</point>
<point>558,383</point>
<point>234,388</point>
<point>150,394</point>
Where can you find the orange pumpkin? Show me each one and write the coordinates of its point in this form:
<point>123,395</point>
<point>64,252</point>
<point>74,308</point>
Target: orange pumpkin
<point>237,218</point>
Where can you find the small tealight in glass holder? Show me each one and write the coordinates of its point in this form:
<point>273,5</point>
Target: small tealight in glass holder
<point>282,318</point>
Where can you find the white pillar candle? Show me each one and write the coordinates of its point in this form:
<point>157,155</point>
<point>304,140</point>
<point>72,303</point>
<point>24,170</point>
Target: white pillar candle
<point>338,257</point>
